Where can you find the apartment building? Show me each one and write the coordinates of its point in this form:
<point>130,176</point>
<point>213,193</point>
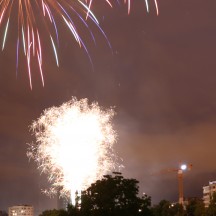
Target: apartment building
<point>208,191</point>
<point>21,210</point>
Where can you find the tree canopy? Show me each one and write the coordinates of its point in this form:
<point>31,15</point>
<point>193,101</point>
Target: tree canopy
<point>195,207</point>
<point>54,212</point>
<point>114,195</point>
<point>211,211</point>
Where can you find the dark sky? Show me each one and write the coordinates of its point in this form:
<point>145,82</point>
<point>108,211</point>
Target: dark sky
<point>161,79</point>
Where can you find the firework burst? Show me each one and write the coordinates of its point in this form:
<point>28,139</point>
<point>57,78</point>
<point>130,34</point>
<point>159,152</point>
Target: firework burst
<point>74,145</point>
<point>32,14</point>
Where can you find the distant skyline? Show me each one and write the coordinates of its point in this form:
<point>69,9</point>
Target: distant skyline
<point>160,79</point>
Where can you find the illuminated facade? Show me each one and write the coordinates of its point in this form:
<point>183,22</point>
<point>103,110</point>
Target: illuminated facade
<point>208,191</point>
<point>21,210</point>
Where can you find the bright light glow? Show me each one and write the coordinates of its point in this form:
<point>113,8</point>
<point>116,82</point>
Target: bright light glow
<point>74,145</point>
<point>183,167</point>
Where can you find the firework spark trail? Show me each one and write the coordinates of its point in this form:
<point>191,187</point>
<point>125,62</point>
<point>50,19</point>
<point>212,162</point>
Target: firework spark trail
<point>74,145</point>
<point>28,22</point>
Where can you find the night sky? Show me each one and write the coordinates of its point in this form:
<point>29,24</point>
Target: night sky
<point>161,78</point>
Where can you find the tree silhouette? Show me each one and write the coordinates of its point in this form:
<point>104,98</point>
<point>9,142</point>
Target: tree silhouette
<point>195,207</point>
<point>114,195</point>
<point>54,212</point>
<point>211,211</point>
